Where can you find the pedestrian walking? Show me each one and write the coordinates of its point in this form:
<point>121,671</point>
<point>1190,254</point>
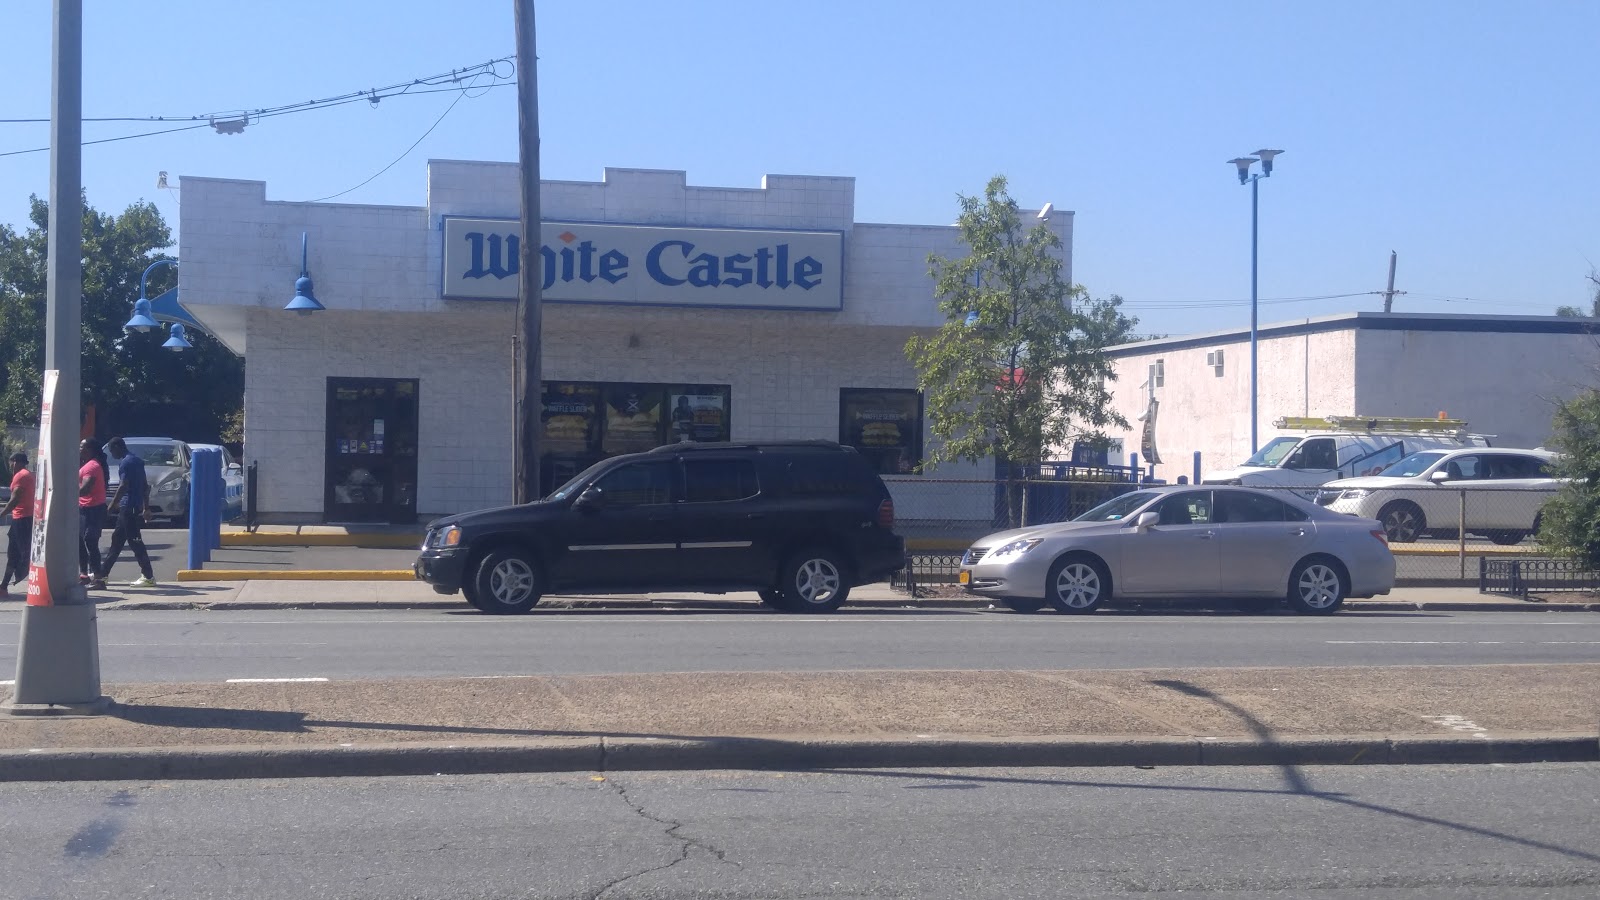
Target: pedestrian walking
<point>131,507</point>
<point>91,508</point>
<point>19,546</point>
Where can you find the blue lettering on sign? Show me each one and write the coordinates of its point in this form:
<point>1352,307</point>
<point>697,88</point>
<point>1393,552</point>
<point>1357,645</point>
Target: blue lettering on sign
<point>672,263</point>
<point>496,267</point>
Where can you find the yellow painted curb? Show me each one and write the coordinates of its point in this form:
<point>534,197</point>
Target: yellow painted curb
<point>296,575</point>
<point>277,539</point>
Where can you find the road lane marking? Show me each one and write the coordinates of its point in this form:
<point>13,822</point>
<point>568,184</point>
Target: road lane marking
<point>1476,642</point>
<point>271,680</point>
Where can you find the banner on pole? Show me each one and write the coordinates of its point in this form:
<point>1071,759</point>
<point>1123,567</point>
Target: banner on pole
<point>38,577</point>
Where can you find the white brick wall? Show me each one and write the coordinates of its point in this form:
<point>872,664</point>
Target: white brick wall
<point>1504,383</point>
<point>377,269</point>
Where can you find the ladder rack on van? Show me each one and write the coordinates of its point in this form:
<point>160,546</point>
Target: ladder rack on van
<point>1376,424</point>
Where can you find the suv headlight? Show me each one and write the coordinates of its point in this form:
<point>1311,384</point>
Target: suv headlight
<point>168,486</point>
<point>1015,548</point>
<point>1355,494</point>
<point>447,537</point>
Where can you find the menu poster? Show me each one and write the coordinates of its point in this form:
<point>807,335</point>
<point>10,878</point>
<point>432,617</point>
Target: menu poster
<point>570,417</point>
<point>885,426</point>
<point>698,415</point>
<point>633,418</point>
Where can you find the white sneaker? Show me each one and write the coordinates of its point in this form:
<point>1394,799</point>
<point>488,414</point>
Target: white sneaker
<point>142,581</point>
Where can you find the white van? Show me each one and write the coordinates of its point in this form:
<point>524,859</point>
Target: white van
<point>1342,447</point>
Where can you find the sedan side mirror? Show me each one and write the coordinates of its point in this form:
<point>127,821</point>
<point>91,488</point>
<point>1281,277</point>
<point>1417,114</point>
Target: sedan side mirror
<point>592,498</point>
<point>1440,475</point>
<point>1146,520</point>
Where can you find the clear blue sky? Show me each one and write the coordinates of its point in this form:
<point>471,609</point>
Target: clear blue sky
<point>1462,135</point>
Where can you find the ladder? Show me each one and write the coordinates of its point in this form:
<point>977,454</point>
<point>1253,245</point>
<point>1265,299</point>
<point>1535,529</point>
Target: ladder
<point>1377,424</point>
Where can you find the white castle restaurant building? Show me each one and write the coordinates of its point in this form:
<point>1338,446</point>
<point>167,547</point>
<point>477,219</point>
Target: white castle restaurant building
<point>675,312</point>
<point>1502,374</point>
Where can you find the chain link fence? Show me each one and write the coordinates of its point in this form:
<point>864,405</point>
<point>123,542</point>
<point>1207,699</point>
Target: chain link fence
<point>1440,535</point>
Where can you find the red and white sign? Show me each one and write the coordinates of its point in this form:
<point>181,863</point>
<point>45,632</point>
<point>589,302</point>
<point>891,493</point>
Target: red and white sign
<point>38,578</point>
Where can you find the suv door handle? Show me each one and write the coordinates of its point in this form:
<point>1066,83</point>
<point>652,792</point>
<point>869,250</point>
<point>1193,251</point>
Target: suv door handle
<point>1206,535</point>
<point>1298,532</point>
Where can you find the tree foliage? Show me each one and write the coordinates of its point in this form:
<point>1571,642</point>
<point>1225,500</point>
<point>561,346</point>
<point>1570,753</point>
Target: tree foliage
<point>1571,520</point>
<point>1018,368</point>
<point>119,370</point>
<point>1578,312</point>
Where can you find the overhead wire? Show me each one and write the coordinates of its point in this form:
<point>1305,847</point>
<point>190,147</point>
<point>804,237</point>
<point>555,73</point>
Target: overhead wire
<point>433,84</point>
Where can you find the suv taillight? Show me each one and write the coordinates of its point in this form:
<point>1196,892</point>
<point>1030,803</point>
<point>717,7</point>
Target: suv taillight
<point>886,514</point>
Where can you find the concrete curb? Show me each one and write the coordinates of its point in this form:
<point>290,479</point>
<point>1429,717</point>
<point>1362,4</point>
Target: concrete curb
<point>624,605</point>
<point>632,754</point>
<point>193,575</point>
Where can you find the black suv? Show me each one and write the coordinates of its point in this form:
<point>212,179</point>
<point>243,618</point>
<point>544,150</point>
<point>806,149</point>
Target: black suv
<point>801,522</point>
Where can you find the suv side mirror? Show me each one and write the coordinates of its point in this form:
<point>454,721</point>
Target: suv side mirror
<point>1145,521</point>
<point>591,498</point>
<point>1440,475</point>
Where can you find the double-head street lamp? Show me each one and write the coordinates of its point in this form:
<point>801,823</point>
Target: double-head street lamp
<point>1247,177</point>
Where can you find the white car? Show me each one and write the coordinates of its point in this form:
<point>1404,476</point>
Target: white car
<point>1504,491</point>
<point>1185,542</point>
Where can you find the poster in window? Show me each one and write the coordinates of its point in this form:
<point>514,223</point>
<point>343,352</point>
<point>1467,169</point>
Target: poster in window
<point>884,426</point>
<point>571,417</point>
<point>698,414</point>
<point>633,418</point>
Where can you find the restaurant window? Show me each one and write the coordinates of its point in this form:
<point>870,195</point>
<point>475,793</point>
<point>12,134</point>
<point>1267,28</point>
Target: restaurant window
<point>884,425</point>
<point>585,422</point>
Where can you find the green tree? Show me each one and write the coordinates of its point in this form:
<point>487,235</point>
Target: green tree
<point>1577,312</point>
<point>119,369</point>
<point>1018,368</point>
<point>1570,521</point>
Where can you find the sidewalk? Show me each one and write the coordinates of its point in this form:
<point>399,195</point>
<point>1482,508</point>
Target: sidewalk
<point>819,720</point>
<point>410,594</point>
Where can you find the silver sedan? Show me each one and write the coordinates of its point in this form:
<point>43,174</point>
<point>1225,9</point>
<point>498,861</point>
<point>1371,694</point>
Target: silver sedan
<point>1185,542</point>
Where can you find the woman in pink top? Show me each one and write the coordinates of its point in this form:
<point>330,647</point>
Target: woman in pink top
<point>91,508</point>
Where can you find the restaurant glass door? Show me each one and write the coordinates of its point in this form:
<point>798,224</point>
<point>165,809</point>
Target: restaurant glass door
<point>371,471</point>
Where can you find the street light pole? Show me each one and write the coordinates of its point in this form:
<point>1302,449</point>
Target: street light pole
<point>58,648</point>
<point>1244,163</point>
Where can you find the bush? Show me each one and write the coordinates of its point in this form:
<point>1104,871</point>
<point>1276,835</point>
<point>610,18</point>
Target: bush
<point>1571,520</point>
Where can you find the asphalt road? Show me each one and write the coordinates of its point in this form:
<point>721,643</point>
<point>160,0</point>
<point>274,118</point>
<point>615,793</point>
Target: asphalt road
<point>1338,833</point>
<point>169,552</point>
<point>169,646</point>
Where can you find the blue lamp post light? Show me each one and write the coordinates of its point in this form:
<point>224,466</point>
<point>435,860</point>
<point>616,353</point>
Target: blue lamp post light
<point>178,341</point>
<point>142,319</point>
<point>1246,177</point>
<point>304,302</point>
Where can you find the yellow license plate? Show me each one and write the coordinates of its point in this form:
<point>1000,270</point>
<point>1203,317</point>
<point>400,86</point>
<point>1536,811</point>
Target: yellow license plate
<point>964,577</point>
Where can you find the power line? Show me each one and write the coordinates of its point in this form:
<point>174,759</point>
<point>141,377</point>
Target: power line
<point>401,156</point>
<point>433,84</point>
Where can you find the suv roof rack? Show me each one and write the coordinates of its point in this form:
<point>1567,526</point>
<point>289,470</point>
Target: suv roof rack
<point>809,444</point>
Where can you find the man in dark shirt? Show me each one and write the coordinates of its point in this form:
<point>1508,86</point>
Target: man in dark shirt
<point>131,506</point>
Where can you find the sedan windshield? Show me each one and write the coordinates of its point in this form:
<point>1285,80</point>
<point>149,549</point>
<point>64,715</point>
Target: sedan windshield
<point>156,453</point>
<point>1273,453</point>
<point>1118,507</point>
<point>1412,466</point>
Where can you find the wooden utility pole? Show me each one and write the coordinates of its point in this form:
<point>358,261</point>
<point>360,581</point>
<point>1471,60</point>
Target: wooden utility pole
<point>1388,294</point>
<point>529,397</point>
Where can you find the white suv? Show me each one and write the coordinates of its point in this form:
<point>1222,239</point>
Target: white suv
<point>1503,489</point>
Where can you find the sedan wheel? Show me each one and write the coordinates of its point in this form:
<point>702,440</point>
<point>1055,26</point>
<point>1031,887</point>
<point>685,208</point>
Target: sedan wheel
<point>1077,585</point>
<point>1402,522</point>
<point>1316,588</point>
<point>507,583</point>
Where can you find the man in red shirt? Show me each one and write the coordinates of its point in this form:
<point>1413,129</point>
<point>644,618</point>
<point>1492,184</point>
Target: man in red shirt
<point>20,507</point>
<point>91,508</point>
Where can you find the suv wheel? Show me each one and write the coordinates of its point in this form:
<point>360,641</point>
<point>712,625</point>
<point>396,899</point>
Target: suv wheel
<point>1402,521</point>
<point>813,581</point>
<point>507,582</point>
